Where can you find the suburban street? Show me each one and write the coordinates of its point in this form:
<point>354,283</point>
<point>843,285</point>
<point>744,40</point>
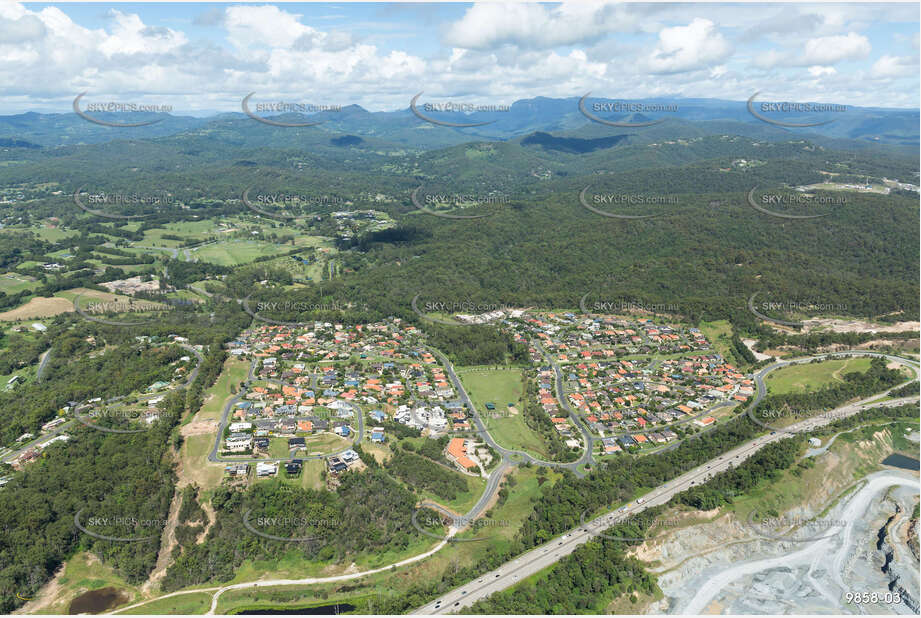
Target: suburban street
<point>545,555</point>
<point>507,454</point>
<point>213,456</point>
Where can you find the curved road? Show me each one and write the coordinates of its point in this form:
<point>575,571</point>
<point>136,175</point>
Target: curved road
<point>213,456</point>
<point>507,454</point>
<point>533,561</point>
<point>545,555</point>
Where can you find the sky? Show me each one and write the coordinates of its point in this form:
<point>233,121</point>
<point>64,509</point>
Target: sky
<point>205,57</point>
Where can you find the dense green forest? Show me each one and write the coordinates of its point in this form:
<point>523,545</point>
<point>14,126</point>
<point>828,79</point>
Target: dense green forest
<point>102,475</point>
<point>370,511</point>
<point>418,472</point>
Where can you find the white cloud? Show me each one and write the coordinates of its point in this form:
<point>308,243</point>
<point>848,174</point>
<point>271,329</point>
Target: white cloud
<point>833,49</point>
<point>688,48</point>
<point>894,67</point>
<point>818,71</point>
<point>535,26</point>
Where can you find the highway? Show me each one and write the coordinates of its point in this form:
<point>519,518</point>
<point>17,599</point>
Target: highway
<point>547,554</point>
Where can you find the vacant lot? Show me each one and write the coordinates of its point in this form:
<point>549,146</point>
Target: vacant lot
<point>235,252</point>
<point>12,283</point>
<point>502,387</point>
<point>812,376</point>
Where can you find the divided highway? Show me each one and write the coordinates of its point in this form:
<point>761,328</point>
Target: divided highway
<point>547,554</point>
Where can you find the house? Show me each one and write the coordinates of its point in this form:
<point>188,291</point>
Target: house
<point>264,469</point>
<point>336,465</point>
<point>342,429</point>
<point>377,434</point>
<point>237,442</point>
<point>704,422</point>
<point>349,456</point>
<point>238,427</point>
<point>297,443</point>
<point>240,469</point>
<point>53,424</point>
<point>377,415</point>
<point>457,452</point>
<point>261,443</point>
<point>293,468</point>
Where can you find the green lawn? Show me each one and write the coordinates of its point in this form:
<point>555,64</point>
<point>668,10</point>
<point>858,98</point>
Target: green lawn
<point>236,252</point>
<point>192,603</point>
<point>13,283</point>
<point>719,334</point>
<point>812,376</point>
<point>234,372</point>
<point>53,234</point>
<point>501,387</point>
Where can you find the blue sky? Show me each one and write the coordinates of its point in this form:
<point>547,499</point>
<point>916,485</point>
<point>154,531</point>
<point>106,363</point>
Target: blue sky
<point>200,57</point>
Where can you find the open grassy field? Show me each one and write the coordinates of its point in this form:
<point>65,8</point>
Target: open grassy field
<point>236,252</point>
<point>13,283</point>
<point>193,603</point>
<point>812,376</point>
<point>326,443</point>
<point>719,334</point>
<point>199,432</point>
<point>234,372</point>
<point>53,234</point>
<point>502,387</point>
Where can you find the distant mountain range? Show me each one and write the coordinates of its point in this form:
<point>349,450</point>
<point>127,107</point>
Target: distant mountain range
<point>403,129</point>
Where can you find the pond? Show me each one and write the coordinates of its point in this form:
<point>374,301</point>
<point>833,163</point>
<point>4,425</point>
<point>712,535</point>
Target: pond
<point>96,601</point>
<point>901,461</point>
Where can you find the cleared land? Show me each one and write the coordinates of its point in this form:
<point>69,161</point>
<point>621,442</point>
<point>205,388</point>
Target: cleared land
<point>812,376</point>
<point>501,387</point>
<point>236,252</point>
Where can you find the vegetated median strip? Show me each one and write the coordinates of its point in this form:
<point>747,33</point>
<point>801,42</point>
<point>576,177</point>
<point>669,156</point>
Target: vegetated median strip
<point>312,580</point>
<point>807,424</point>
